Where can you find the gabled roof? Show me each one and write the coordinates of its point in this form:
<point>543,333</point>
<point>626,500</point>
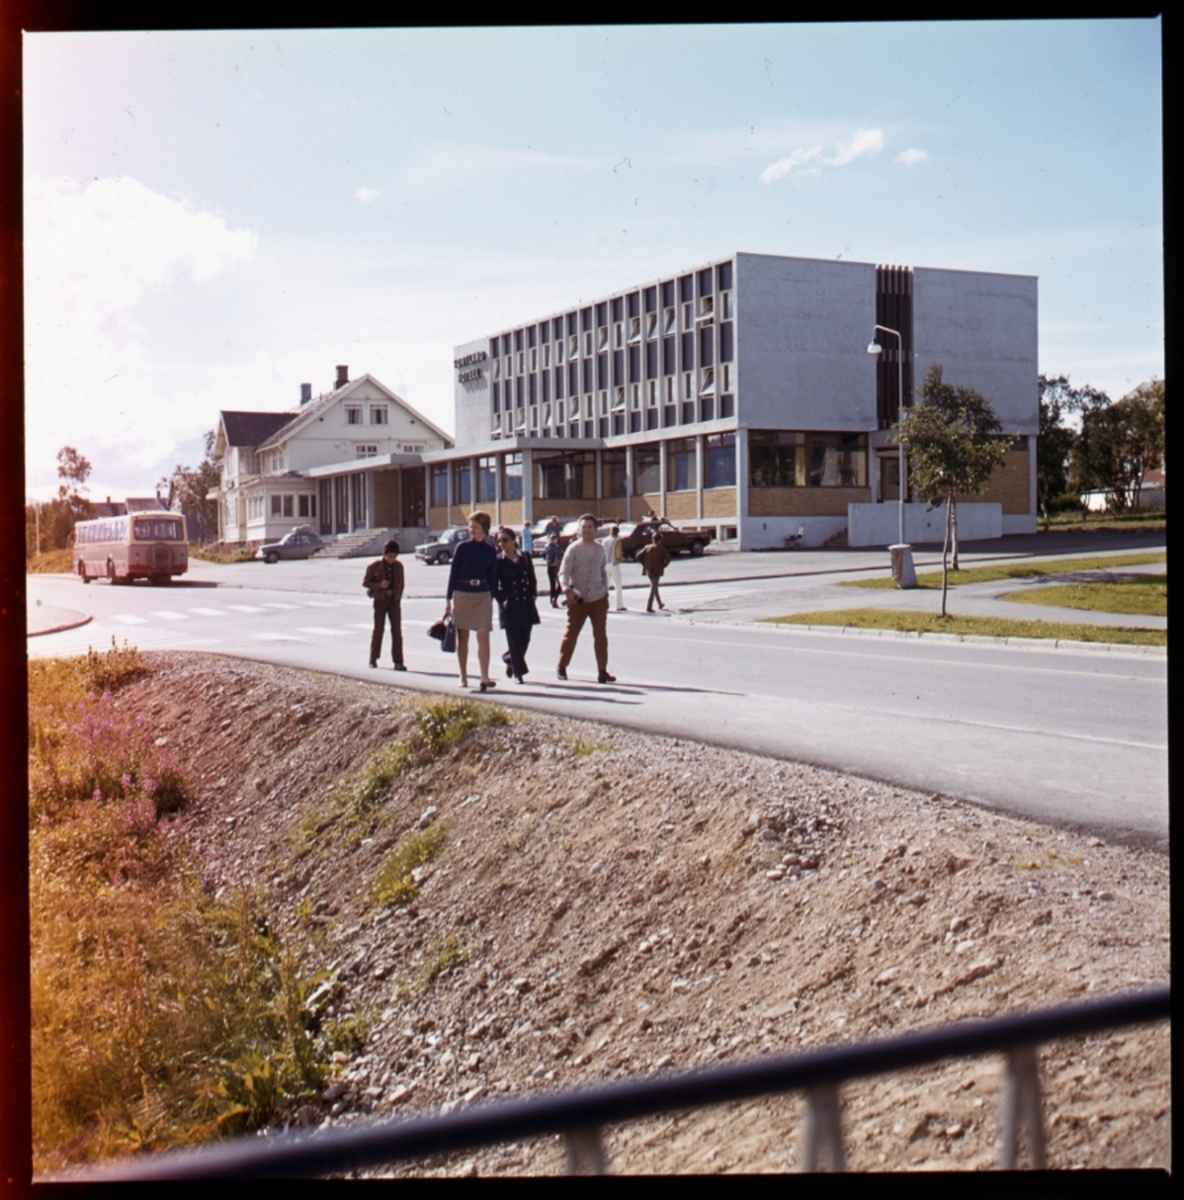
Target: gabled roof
<point>253,428</point>
<point>293,424</point>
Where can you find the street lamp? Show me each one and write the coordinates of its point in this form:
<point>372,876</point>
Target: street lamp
<point>903,571</point>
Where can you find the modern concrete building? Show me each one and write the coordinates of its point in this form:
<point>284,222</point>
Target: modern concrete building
<point>739,394</point>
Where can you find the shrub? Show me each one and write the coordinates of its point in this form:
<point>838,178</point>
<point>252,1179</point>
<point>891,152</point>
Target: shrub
<point>445,722</point>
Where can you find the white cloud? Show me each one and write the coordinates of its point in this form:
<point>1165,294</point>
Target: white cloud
<point>365,195</point>
<point>446,163</point>
<point>94,257</point>
<point>805,159</point>
<point>912,155</point>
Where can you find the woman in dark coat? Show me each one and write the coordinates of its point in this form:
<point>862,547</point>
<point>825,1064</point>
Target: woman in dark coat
<point>515,590</point>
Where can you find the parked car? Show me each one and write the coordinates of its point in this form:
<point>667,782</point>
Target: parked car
<point>439,553</point>
<point>300,543</point>
<point>677,541</point>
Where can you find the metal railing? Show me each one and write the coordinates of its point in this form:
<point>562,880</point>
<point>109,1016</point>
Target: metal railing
<point>581,1114</point>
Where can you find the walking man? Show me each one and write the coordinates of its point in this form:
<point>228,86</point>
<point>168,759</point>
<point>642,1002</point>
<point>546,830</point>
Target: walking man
<point>554,558</point>
<point>584,577</point>
<point>527,542</point>
<point>654,559</point>
<point>384,585</point>
<point>614,552</point>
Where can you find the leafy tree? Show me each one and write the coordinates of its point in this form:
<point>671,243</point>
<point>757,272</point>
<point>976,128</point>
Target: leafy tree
<point>1055,442</point>
<point>192,492</point>
<point>56,519</point>
<point>954,443</point>
<point>1119,443</point>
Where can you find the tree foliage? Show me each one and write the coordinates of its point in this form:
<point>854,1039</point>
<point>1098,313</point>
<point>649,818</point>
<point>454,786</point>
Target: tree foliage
<point>1056,440</point>
<point>51,526</point>
<point>191,492</point>
<point>954,443</point>
<point>1119,443</point>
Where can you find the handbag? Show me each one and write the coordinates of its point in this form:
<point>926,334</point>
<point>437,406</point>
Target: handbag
<point>438,630</point>
<point>448,644</point>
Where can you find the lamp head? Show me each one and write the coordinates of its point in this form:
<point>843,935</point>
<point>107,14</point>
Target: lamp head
<point>875,348</point>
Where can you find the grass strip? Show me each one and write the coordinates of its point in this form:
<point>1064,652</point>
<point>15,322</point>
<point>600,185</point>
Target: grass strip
<point>918,622</point>
<point>1018,570</point>
<point>1144,597</point>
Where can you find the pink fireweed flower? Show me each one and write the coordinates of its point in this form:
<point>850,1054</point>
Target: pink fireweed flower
<point>97,796</point>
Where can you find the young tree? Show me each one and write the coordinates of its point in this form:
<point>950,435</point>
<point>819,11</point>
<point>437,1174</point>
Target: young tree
<point>59,516</point>
<point>1055,442</point>
<point>954,443</point>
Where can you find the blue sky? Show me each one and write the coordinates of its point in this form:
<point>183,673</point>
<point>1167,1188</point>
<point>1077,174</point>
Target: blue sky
<point>213,218</point>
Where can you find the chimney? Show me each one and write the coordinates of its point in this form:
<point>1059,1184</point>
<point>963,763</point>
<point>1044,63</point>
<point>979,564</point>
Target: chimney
<point>342,377</point>
<point>305,393</point>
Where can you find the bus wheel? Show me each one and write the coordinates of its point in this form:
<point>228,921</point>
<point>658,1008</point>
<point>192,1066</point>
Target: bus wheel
<point>160,580</point>
<point>111,576</point>
<point>82,572</point>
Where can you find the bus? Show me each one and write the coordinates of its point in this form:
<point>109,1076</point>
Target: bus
<point>139,545</point>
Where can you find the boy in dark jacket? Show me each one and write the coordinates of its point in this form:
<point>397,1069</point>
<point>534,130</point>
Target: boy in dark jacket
<point>384,585</point>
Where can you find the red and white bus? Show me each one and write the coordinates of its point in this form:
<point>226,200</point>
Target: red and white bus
<point>142,545</point>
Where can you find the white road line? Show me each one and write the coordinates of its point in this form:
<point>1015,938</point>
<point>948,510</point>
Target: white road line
<point>129,619</point>
<point>324,631</point>
<point>247,608</point>
<point>320,604</point>
<point>209,612</point>
<point>275,604</point>
<point>276,637</point>
<point>164,615</point>
<point>362,625</point>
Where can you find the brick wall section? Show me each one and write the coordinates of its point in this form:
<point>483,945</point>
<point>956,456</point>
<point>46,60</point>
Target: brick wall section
<point>567,510</point>
<point>804,501</point>
<point>649,500</point>
<point>511,512</point>
<point>719,502</point>
<point>1009,485</point>
<point>680,506</point>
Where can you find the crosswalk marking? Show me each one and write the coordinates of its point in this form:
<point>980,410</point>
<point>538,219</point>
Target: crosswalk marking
<point>276,637</point>
<point>276,604</point>
<point>247,608</point>
<point>170,616</point>
<point>130,619</point>
<point>209,612</point>
<point>323,631</point>
<point>320,603</point>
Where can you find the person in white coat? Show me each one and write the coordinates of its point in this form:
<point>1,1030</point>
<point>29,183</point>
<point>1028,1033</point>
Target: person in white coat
<point>615,554</point>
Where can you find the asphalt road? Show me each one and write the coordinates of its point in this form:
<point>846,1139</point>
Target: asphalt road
<point>1067,736</point>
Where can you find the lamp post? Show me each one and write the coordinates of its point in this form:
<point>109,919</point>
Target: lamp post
<point>903,560</point>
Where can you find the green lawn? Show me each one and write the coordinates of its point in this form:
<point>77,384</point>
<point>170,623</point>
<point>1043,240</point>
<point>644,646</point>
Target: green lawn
<point>1024,569</point>
<point>918,622</point>
<point>1145,596</point>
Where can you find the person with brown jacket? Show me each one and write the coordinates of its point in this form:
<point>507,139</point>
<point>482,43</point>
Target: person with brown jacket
<point>383,582</point>
<point>654,559</point>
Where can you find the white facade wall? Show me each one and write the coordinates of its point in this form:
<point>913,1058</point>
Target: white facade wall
<point>802,329</point>
<point>982,328</point>
<point>472,398</point>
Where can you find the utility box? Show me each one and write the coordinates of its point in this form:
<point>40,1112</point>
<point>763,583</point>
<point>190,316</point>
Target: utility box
<point>903,572</point>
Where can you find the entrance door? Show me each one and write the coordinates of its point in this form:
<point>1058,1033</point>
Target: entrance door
<point>889,477</point>
<point>414,496</point>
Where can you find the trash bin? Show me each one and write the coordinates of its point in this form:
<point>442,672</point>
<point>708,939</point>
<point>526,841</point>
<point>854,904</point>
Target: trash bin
<point>903,572</point>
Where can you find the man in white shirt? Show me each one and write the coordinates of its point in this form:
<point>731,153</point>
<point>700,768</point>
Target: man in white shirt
<point>614,554</point>
<point>584,577</point>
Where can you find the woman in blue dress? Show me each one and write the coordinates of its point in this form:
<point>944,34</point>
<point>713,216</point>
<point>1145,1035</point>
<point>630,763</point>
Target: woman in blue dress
<point>515,590</point>
<point>469,599</point>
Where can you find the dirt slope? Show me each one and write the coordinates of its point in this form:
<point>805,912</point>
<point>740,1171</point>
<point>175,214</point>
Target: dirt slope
<point>622,904</point>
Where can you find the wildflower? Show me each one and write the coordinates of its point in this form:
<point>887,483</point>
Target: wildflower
<point>126,780</point>
<point>149,786</point>
<point>97,796</point>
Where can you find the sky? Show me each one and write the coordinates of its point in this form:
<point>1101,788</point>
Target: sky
<point>213,218</point>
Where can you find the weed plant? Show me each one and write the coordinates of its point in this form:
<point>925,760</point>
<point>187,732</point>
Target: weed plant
<point>158,1016</point>
<point>444,722</point>
<point>582,747</point>
<point>439,957</point>
<point>395,882</point>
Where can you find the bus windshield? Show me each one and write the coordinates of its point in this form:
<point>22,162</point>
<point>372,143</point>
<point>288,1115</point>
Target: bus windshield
<point>158,529</point>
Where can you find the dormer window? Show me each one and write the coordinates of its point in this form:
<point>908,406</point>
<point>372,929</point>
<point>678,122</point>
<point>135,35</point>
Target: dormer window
<point>353,414</point>
<point>379,414</point>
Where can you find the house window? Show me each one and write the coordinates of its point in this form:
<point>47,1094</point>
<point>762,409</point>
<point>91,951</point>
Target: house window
<point>588,344</point>
<point>720,464</point>
<point>307,505</point>
<point>647,464</point>
<point>680,465</point>
<point>604,404</point>
<point>558,351</point>
<point>353,414</point>
<point>777,458</point>
<point>379,414</point>
<point>439,484</point>
<point>512,477</point>
<point>573,345</point>
<point>281,506</point>
<point>521,362</point>
<point>486,478</point>
<point>365,450</point>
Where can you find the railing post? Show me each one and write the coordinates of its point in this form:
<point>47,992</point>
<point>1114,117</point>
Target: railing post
<point>824,1135</point>
<point>1022,1107</point>
<point>585,1152</point>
